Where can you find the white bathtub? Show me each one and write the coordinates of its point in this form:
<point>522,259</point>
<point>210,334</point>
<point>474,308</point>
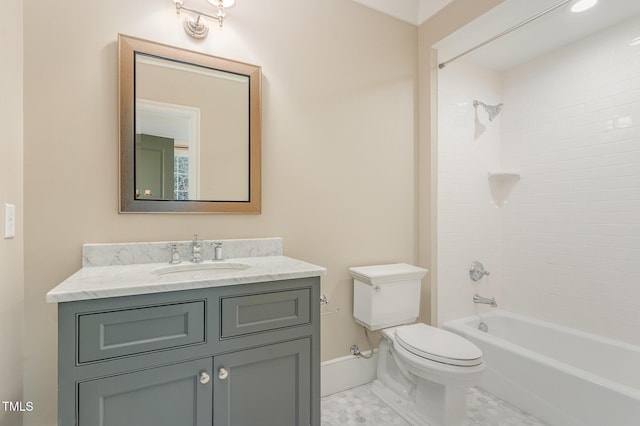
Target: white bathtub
<point>561,375</point>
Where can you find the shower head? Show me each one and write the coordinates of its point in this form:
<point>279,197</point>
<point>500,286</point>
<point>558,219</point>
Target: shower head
<point>492,110</point>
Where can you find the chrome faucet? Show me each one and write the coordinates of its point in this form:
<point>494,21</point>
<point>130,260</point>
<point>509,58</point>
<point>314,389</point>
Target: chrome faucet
<point>484,300</point>
<point>196,246</point>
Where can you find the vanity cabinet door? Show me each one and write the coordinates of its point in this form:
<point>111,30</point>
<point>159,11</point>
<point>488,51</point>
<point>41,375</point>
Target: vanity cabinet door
<point>266,386</point>
<point>178,394</point>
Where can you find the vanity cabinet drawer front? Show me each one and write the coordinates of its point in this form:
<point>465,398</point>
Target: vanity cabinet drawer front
<point>262,312</point>
<point>114,334</point>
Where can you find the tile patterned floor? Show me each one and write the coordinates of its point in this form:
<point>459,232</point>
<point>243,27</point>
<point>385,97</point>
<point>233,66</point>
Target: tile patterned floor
<point>358,406</point>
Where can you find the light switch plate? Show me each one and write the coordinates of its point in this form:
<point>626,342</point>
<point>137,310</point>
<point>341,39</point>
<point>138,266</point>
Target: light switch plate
<point>9,221</point>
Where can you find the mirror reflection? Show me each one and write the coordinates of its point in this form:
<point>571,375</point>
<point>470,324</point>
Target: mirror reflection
<point>190,131</point>
<point>201,119</point>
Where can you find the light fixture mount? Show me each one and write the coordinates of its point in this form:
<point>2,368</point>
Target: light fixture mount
<point>195,23</point>
<point>195,26</point>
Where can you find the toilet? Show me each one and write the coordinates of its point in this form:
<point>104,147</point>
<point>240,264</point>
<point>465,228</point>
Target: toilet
<point>422,371</point>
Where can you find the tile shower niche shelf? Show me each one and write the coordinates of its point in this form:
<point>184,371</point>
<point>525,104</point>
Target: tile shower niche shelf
<point>501,183</point>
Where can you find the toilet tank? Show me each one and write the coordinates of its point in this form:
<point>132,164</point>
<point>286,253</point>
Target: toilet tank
<point>386,295</point>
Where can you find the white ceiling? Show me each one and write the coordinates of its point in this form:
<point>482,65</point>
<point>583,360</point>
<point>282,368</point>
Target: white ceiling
<point>545,34</point>
<point>549,32</point>
<point>412,11</point>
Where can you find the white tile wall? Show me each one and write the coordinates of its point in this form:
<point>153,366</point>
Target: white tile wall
<point>468,221</point>
<point>567,245</point>
<point>571,236</point>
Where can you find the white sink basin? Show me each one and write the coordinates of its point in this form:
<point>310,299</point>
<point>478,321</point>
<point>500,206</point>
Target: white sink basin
<point>205,266</point>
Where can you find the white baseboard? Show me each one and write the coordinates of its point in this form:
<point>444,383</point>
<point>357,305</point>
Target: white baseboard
<point>339,374</point>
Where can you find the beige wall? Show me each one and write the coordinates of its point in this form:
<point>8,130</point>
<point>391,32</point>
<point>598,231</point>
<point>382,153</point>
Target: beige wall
<point>457,14</point>
<point>11,250</point>
<point>339,135</point>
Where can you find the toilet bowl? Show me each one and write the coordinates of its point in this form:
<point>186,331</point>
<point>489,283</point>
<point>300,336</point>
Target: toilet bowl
<point>436,354</point>
<point>422,371</point>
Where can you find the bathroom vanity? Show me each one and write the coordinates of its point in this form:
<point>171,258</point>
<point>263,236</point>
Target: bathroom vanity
<point>225,343</point>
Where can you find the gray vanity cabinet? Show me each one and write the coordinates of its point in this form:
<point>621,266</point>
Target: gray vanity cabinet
<point>171,395</point>
<point>241,355</point>
<point>260,385</point>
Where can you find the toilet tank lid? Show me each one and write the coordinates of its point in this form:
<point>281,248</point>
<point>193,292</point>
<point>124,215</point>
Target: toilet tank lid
<point>379,274</point>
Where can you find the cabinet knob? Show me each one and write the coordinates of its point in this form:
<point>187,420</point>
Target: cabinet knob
<point>223,373</point>
<point>204,377</point>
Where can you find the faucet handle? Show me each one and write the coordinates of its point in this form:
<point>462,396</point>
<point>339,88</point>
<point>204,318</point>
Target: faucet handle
<point>217,251</point>
<point>477,271</point>
<point>175,253</point>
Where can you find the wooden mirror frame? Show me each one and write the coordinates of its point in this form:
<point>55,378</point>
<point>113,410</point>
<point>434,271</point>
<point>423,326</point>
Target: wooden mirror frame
<point>127,49</point>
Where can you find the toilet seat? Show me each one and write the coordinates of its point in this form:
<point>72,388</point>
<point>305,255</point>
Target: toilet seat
<point>438,345</point>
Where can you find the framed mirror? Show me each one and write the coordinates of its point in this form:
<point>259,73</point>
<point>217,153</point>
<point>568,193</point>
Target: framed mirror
<point>190,131</point>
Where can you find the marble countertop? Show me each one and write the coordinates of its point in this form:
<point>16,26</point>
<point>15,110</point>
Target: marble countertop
<point>96,282</point>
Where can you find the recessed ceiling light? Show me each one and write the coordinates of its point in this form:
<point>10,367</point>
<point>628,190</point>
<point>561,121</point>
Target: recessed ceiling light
<point>582,5</point>
<point>634,42</point>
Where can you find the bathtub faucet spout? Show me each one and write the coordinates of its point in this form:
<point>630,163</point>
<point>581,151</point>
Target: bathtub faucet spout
<point>484,300</point>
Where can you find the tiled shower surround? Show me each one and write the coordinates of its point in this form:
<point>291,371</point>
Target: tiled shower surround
<point>566,246</point>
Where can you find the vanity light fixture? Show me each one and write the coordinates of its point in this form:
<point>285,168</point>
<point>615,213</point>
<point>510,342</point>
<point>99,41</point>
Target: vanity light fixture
<point>195,23</point>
